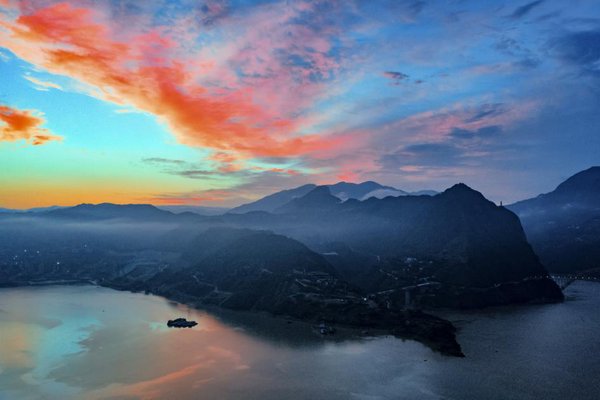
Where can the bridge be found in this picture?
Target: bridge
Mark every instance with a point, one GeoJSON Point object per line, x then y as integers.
{"type": "Point", "coordinates": [563, 281]}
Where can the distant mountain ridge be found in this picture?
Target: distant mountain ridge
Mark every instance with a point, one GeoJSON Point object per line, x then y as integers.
{"type": "Point", "coordinates": [273, 201]}
{"type": "Point", "coordinates": [200, 210]}
{"type": "Point", "coordinates": [109, 211]}
{"type": "Point", "coordinates": [30, 210]}
{"type": "Point", "coordinates": [562, 225]}
{"type": "Point", "coordinates": [362, 191]}
{"type": "Point", "coordinates": [342, 190]}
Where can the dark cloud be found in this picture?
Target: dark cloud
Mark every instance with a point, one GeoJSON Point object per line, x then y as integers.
{"type": "Point", "coordinates": [181, 168]}
{"type": "Point", "coordinates": [526, 58]}
{"type": "Point", "coordinates": [525, 9]}
{"type": "Point", "coordinates": [396, 77]}
{"type": "Point", "coordinates": [212, 12]}
{"type": "Point", "coordinates": [488, 110]}
{"type": "Point", "coordinates": [194, 173]}
{"type": "Point", "coordinates": [192, 170]}
{"type": "Point", "coordinates": [415, 7]}
{"type": "Point", "coordinates": [405, 11]}
{"type": "Point", "coordinates": [423, 154]}
{"type": "Point", "coordinates": [490, 130]}
{"type": "Point", "coordinates": [548, 16]}
{"type": "Point", "coordinates": [430, 148]}
{"type": "Point", "coordinates": [528, 62]}
{"type": "Point", "coordinates": [159, 160]}
{"type": "Point", "coordinates": [508, 44]}
{"type": "Point", "coordinates": [484, 132]}
{"type": "Point", "coordinates": [461, 148]}
{"type": "Point", "coordinates": [581, 49]}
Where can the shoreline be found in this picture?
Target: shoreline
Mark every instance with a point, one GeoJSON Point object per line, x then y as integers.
{"type": "Point", "coordinates": [432, 331]}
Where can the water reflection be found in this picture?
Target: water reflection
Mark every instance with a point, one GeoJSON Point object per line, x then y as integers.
{"type": "Point", "coordinates": [95, 343]}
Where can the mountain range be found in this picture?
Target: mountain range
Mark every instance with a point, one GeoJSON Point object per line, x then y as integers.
{"type": "Point", "coordinates": [347, 253]}
{"type": "Point", "coordinates": [457, 238]}
{"type": "Point", "coordinates": [360, 221]}
{"type": "Point", "coordinates": [473, 252]}
{"type": "Point", "coordinates": [341, 190]}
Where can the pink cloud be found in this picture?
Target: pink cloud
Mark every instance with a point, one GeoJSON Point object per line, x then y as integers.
{"type": "Point", "coordinates": [201, 100]}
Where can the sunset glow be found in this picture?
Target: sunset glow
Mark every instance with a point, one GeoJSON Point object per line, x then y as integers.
{"type": "Point", "coordinates": [221, 102]}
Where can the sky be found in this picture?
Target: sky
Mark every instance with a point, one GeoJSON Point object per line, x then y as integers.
{"type": "Point", "coordinates": [218, 103]}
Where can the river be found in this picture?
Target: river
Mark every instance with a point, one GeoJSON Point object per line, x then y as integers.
{"type": "Point", "coordinates": [88, 342]}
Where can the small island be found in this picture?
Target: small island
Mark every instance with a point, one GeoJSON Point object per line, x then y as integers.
{"type": "Point", "coordinates": [181, 323]}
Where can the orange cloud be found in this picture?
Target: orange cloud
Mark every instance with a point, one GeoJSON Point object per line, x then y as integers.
{"type": "Point", "coordinates": [287, 171]}
{"type": "Point", "coordinates": [23, 125]}
{"type": "Point", "coordinates": [143, 70]}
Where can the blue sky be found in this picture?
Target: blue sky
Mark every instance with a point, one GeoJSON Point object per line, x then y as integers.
{"type": "Point", "coordinates": [221, 102]}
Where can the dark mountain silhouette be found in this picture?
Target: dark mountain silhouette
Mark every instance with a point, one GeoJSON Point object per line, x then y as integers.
{"type": "Point", "coordinates": [106, 211]}
{"type": "Point", "coordinates": [562, 225]}
{"type": "Point", "coordinates": [241, 269]}
{"type": "Point", "coordinates": [246, 269]}
{"type": "Point", "coordinates": [475, 251]}
{"type": "Point", "coordinates": [456, 238]}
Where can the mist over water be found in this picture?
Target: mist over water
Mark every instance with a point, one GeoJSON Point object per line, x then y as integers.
{"type": "Point", "coordinates": [96, 343]}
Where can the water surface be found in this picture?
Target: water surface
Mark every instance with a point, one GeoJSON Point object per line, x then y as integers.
{"type": "Point", "coordinates": [95, 343]}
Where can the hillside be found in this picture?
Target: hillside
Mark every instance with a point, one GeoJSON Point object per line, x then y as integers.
{"type": "Point", "coordinates": [562, 225]}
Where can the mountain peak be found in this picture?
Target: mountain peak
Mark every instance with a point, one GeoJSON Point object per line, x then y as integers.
{"type": "Point", "coordinates": [320, 194]}
{"type": "Point", "coordinates": [319, 198]}
{"type": "Point", "coordinates": [462, 191]}
{"type": "Point", "coordinates": [460, 188]}
{"type": "Point", "coordinates": [273, 201]}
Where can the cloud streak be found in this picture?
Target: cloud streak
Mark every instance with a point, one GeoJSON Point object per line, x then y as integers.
{"type": "Point", "coordinates": [525, 9]}
{"type": "Point", "coordinates": [39, 84]}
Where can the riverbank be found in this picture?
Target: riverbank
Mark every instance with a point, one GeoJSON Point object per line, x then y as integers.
{"type": "Point", "coordinates": [434, 332]}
